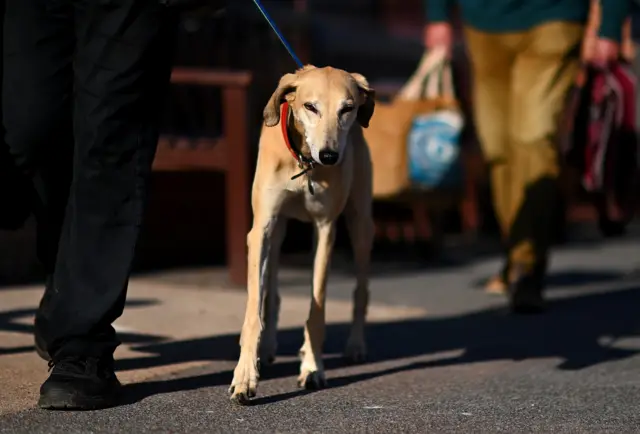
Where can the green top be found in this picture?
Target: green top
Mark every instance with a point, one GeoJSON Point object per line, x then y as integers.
{"type": "Point", "coordinates": [517, 15]}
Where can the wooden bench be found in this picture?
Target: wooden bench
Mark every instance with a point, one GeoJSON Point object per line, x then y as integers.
{"type": "Point", "coordinates": [229, 153]}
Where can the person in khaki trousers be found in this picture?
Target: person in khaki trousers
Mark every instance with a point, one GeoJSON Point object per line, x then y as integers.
{"type": "Point", "coordinates": [525, 55]}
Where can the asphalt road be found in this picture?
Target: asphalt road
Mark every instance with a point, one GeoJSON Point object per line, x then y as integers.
{"type": "Point", "coordinates": [466, 367]}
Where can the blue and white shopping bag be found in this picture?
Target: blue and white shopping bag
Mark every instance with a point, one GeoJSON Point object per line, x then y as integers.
{"type": "Point", "coordinates": [434, 150]}
{"type": "Point", "coordinates": [433, 142]}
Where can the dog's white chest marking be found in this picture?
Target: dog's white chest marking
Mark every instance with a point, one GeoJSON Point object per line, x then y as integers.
{"type": "Point", "coordinates": [316, 203]}
{"type": "Point", "coordinates": [297, 185]}
{"type": "Point", "coordinates": [300, 204]}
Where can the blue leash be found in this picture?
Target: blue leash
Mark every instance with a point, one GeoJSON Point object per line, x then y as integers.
{"type": "Point", "coordinates": [284, 42]}
{"type": "Point", "coordinates": [300, 65]}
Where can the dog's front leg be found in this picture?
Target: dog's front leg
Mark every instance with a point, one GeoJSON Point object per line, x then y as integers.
{"type": "Point", "coordinates": [269, 339]}
{"type": "Point", "coordinates": [361, 231]}
{"type": "Point", "coordinates": [246, 375]}
{"type": "Point", "coordinates": [312, 368]}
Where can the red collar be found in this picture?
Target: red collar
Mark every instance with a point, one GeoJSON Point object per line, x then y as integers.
{"type": "Point", "coordinates": [284, 115]}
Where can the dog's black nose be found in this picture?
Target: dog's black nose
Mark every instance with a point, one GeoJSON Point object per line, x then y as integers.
{"type": "Point", "coordinates": [329, 158]}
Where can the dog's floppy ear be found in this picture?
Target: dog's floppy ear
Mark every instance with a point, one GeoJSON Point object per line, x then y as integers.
{"type": "Point", "coordinates": [368, 99]}
{"type": "Point", "coordinates": [271, 113]}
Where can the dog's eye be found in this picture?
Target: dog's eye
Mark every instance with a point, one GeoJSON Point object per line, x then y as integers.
{"type": "Point", "coordinates": [346, 110]}
{"type": "Point", "coordinates": [310, 107]}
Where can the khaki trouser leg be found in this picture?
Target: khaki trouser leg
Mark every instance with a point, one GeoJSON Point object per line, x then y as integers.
{"type": "Point", "coordinates": [534, 70]}
{"type": "Point", "coordinates": [542, 74]}
{"type": "Point", "coordinates": [492, 59]}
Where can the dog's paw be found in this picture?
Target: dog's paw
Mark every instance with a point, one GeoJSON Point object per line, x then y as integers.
{"type": "Point", "coordinates": [245, 383]}
{"type": "Point", "coordinates": [356, 350]}
{"type": "Point", "coordinates": [312, 380]}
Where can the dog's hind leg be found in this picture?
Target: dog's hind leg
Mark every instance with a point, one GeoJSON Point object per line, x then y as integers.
{"type": "Point", "coordinates": [359, 221]}
{"type": "Point", "coordinates": [269, 339]}
{"type": "Point", "coordinates": [246, 375]}
{"type": "Point", "coordinates": [311, 367]}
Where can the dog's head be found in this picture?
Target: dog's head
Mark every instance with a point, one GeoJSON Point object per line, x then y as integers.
{"type": "Point", "coordinates": [325, 102]}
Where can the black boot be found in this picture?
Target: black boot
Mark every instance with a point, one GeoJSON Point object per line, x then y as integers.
{"type": "Point", "coordinates": [525, 292]}
{"type": "Point", "coordinates": [611, 228]}
{"type": "Point", "coordinates": [80, 383]}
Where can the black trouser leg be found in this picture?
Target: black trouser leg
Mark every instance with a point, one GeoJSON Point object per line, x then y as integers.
{"type": "Point", "coordinates": [16, 190]}
{"type": "Point", "coordinates": [120, 69]}
{"type": "Point", "coordinates": [36, 99]}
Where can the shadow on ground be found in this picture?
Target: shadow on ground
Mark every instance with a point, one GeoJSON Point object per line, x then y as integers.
{"type": "Point", "coordinates": [574, 331]}
{"type": "Point", "coordinates": [12, 321]}
{"type": "Point", "coordinates": [580, 331]}
{"type": "Point", "coordinates": [571, 278]}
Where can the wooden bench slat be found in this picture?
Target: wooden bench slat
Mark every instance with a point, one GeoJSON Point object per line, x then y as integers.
{"type": "Point", "coordinates": [208, 77]}
{"type": "Point", "coordinates": [229, 155]}
{"type": "Point", "coordinates": [191, 154]}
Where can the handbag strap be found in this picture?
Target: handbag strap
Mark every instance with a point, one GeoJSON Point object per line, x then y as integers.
{"type": "Point", "coordinates": [438, 83]}
{"type": "Point", "coordinates": [430, 61]}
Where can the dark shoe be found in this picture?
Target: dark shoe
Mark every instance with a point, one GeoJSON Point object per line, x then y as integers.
{"type": "Point", "coordinates": [612, 228]}
{"type": "Point", "coordinates": [525, 294]}
{"type": "Point", "coordinates": [80, 384]}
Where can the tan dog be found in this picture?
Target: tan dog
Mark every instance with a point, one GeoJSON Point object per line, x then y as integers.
{"type": "Point", "coordinates": [319, 113]}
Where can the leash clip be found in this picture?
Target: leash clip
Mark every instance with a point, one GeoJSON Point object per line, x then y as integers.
{"type": "Point", "coordinates": [305, 170]}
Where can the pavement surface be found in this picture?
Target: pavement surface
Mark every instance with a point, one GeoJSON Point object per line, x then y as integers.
{"type": "Point", "coordinates": [444, 356]}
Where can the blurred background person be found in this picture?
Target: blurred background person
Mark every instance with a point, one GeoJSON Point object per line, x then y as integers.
{"type": "Point", "coordinates": [613, 206]}
{"type": "Point", "coordinates": [635, 36]}
{"type": "Point", "coordinates": [524, 56]}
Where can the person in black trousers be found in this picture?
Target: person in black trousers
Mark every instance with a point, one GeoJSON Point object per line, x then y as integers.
{"type": "Point", "coordinates": [83, 81]}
